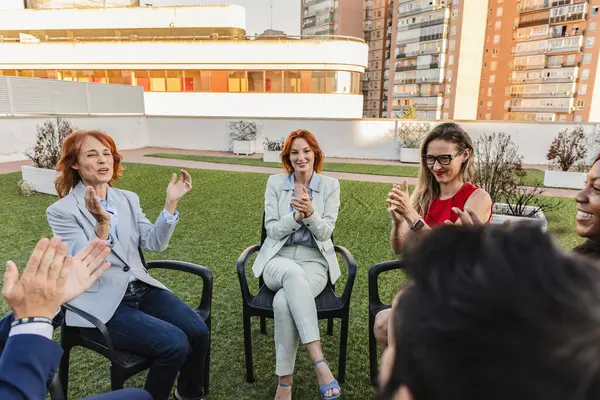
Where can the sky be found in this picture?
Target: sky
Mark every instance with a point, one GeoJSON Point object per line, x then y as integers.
{"type": "Point", "coordinates": [286, 13]}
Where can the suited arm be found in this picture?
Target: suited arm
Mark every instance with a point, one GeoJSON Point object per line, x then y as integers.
{"type": "Point", "coordinates": [322, 227]}
{"type": "Point", "coordinates": [277, 227]}
{"type": "Point", "coordinates": [154, 237]}
{"type": "Point", "coordinates": [27, 364]}
{"type": "Point", "coordinates": [69, 230]}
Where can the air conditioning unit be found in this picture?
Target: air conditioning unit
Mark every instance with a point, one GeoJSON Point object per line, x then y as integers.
{"type": "Point", "coordinates": [553, 93]}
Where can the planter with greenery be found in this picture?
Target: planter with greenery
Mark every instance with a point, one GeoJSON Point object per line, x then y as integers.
{"type": "Point", "coordinates": [242, 135]}
{"type": "Point", "coordinates": [45, 156]}
{"type": "Point", "coordinates": [410, 139]}
{"type": "Point", "coordinates": [567, 155]}
{"type": "Point", "coordinates": [499, 171]}
{"type": "Point", "coordinates": [272, 150]}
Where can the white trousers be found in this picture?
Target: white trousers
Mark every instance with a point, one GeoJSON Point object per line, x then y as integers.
{"type": "Point", "coordinates": [297, 274]}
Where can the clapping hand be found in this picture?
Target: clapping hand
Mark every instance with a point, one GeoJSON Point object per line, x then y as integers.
{"type": "Point", "coordinates": [176, 190]}
{"type": "Point", "coordinates": [92, 203]}
{"type": "Point", "coordinates": [399, 202]}
{"type": "Point", "coordinates": [87, 266]}
{"type": "Point", "coordinates": [302, 205]}
{"type": "Point", "coordinates": [467, 217]}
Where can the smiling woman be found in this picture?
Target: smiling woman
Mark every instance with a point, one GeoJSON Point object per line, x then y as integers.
{"type": "Point", "coordinates": [588, 213]}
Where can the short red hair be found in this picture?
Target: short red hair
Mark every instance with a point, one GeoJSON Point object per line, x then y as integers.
{"type": "Point", "coordinates": [312, 143]}
{"type": "Point", "coordinates": [68, 177]}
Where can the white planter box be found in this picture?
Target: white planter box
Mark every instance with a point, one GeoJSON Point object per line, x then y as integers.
{"type": "Point", "coordinates": [409, 155]}
{"type": "Point", "coordinates": [245, 147]}
{"type": "Point", "coordinates": [41, 179]}
{"type": "Point", "coordinates": [271, 156]}
{"type": "Point", "coordinates": [562, 179]}
{"type": "Point", "coordinates": [500, 209]}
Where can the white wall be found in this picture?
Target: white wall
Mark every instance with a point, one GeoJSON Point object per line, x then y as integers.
{"type": "Point", "coordinates": [208, 54]}
{"type": "Point", "coordinates": [352, 138]}
{"type": "Point", "coordinates": [12, 5]}
{"type": "Point", "coordinates": [17, 134]}
{"type": "Point", "coordinates": [254, 105]}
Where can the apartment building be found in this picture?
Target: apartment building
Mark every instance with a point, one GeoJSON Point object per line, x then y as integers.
{"type": "Point", "coordinates": [435, 56]}
{"type": "Point", "coordinates": [332, 17]}
{"type": "Point", "coordinates": [377, 36]}
{"type": "Point", "coordinates": [546, 57]}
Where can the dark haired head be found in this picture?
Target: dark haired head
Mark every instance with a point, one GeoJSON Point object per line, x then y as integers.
{"type": "Point", "coordinates": [588, 212]}
{"type": "Point", "coordinates": [502, 315]}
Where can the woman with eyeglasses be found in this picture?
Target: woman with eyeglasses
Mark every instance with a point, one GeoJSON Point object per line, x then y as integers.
{"type": "Point", "coordinates": [443, 195]}
{"type": "Point", "coordinates": [443, 188]}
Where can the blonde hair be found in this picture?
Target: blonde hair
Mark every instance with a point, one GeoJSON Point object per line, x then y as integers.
{"type": "Point", "coordinates": [428, 188]}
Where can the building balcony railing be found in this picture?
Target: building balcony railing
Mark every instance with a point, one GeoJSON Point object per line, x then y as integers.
{"type": "Point", "coordinates": [566, 79]}
{"type": "Point", "coordinates": [549, 35]}
{"type": "Point", "coordinates": [529, 67]}
{"type": "Point", "coordinates": [559, 3]}
{"type": "Point", "coordinates": [369, 5]}
{"type": "Point", "coordinates": [404, 94]}
{"type": "Point", "coordinates": [429, 38]}
{"type": "Point", "coordinates": [419, 10]}
{"type": "Point", "coordinates": [563, 94]}
{"type": "Point", "coordinates": [406, 81]}
{"type": "Point", "coordinates": [567, 18]}
{"type": "Point", "coordinates": [532, 7]}
{"type": "Point", "coordinates": [534, 22]}
{"type": "Point", "coordinates": [561, 109]}
{"type": "Point", "coordinates": [406, 68]}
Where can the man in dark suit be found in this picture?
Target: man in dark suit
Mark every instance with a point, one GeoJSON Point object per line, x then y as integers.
{"type": "Point", "coordinates": [30, 356]}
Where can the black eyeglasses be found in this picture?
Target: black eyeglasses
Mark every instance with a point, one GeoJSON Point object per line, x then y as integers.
{"type": "Point", "coordinates": [444, 159]}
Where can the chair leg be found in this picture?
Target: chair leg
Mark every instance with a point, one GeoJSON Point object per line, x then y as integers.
{"type": "Point", "coordinates": [372, 350]}
{"type": "Point", "coordinates": [343, 348]}
{"type": "Point", "coordinates": [263, 325]}
{"type": "Point", "coordinates": [207, 370]}
{"type": "Point", "coordinates": [330, 326]}
{"type": "Point", "coordinates": [63, 371]}
{"type": "Point", "coordinates": [248, 349]}
{"type": "Point", "coordinates": [117, 380]}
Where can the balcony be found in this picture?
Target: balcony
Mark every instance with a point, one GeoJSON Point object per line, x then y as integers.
{"type": "Point", "coordinates": [533, 7]}
{"type": "Point", "coordinates": [428, 103]}
{"type": "Point", "coordinates": [557, 108]}
{"type": "Point", "coordinates": [421, 9]}
{"type": "Point", "coordinates": [403, 95]}
{"type": "Point", "coordinates": [567, 44]}
{"type": "Point", "coordinates": [559, 79]}
{"type": "Point", "coordinates": [535, 95]}
{"type": "Point", "coordinates": [529, 67]}
{"type": "Point", "coordinates": [369, 5]}
{"type": "Point", "coordinates": [429, 38]}
{"type": "Point", "coordinates": [534, 22]}
{"type": "Point", "coordinates": [406, 81]}
{"type": "Point", "coordinates": [367, 26]}
{"type": "Point", "coordinates": [568, 18]}
{"type": "Point", "coordinates": [559, 3]}
{"type": "Point", "coordinates": [406, 68]}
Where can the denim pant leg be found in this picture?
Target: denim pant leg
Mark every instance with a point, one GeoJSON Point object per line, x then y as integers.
{"type": "Point", "coordinates": [168, 307]}
{"type": "Point", "coordinates": [133, 330]}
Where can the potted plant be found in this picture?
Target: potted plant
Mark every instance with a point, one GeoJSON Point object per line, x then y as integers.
{"type": "Point", "coordinates": [410, 139]}
{"type": "Point", "coordinates": [242, 135]}
{"type": "Point", "coordinates": [499, 172]}
{"type": "Point", "coordinates": [45, 155]}
{"type": "Point", "coordinates": [272, 150]}
{"type": "Point", "coordinates": [567, 155]}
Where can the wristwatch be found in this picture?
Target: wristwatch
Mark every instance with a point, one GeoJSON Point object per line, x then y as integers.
{"type": "Point", "coordinates": [418, 225]}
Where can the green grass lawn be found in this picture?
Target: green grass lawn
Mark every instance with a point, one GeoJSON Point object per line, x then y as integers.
{"type": "Point", "coordinates": [533, 175]}
{"type": "Point", "coordinates": [219, 218]}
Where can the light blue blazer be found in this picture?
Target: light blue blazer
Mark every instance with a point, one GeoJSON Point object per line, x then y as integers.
{"type": "Point", "coordinates": [70, 219]}
{"type": "Point", "coordinates": [280, 222]}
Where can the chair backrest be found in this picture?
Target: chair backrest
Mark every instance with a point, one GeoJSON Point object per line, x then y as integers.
{"type": "Point", "coordinates": [263, 232]}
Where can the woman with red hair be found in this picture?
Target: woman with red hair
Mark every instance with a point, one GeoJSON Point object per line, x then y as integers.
{"type": "Point", "coordinates": [298, 258]}
{"type": "Point", "coordinates": [140, 313]}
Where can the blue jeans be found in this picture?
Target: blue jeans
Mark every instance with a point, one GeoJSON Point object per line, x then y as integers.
{"type": "Point", "coordinates": [157, 324]}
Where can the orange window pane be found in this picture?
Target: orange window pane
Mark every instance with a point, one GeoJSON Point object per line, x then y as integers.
{"type": "Point", "coordinates": [218, 81]}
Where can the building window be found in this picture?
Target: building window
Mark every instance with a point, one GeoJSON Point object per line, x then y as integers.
{"type": "Point", "coordinates": [494, 65]}
{"type": "Point", "coordinates": [494, 51]}
{"type": "Point", "coordinates": [578, 118]}
{"type": "Point", "coordinates": [447, 103]}
{"type": "Point", "coordinates": [446, 115]}
{"type": "Point", "coordinates": [452, 44]}
{"type": "Point", "coordinates": [496, 39]}
{"type": "Point", "coordinates": [587, 58]}
{"type": "Point", "coordinates": [489, 104]}
{"type": "Point", "coordinates": [580, 104]}
{"type": "Point", "coordinates": [455, 2]}
{"type": "Point", "coordinates": [453, 30]}
{"type": "Point", "coordinates": [589, 43]}
{"type": "Point", "coordinates": [492, 78]}
{"type": "Point", "coordinates": [592, 26]}
{"type": "Point", "coordinates": [499, 11]}
{"type": "Point", "coordinates": [595, 10]}
{"type": "Point", "coordinates": [454, 13]}
{"type": "Point", "coordinates": [583, 89]}
{"type": "Point", "coordinates": [498, 25]}
{"type": "Point", "coordinates": [506, 104]}
{"type": "Point", "coordinates": [451, 60]}
{"type": "Point", "coordinates": [585, 74]}
{"type": "Point", "coordinates": [488, 116]}
{"type": "Point", "coordinates": [490, 92]}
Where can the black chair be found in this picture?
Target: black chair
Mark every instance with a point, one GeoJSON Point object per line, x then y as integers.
{"type": "Point", "coordinates": [124, 365]}
{"type": "Point", "coordinates": [375, 306]}
{"type": "Point", "coordinates": [329, 306]}
{"type": "Point", "coordinates": [55, 389]}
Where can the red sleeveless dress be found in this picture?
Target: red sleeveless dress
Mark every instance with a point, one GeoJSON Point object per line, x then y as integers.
{"type": "Point", "coordinates": [440, 211]}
